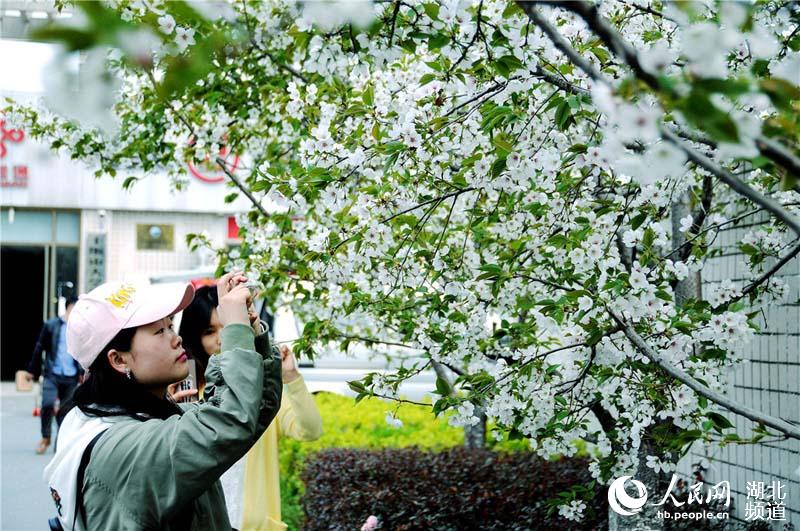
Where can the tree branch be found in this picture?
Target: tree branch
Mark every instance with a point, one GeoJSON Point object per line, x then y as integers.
{"type": "Point", "coordinates": [394, 21]}
{"type": "Point", "coordinates": [372, 340]}
{"type": "Point", "coordinates": [560, 42]}
{"type": "Point", "coordinates": [739, 186]}
{"type": "Point", "coordinates": [774, 150]}
{"type": "Point", "coordinates": [603, 29]}
{"type": "Point", "coordinates": [429, 201]}
{"type": "Point", "coordinates": [474, 38]}
{"type": "Point", "coordinates": [700, 214]}
{"type": "Point", "coordinates": [771, 149]}
{"type": "Point", "coordinates": [559, 82]}
{"type": "Point", "coordinates": [240, 186]}
{"type": "Point", "coordinates": [767, 275]}
{"type": "Point", "coordinates": [781, 425]}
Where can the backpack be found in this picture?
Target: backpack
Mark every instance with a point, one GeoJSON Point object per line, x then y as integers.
{"type": "Point", "coordinates": [55, 523]}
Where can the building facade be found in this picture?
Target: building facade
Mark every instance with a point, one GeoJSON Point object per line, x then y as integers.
{"type": "Point", "coordinates": [63, 231]}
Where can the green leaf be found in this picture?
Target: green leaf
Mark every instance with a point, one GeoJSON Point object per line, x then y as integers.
{"type": "Point", "coordinates": [496, 117]}
{"type": "Point", "coordinates": [782, 93]}
{"type": "Point", "coordinates": [498, 167]}
{"type": "Point", "coordinates": [749, 249]}
{"type": "Point", "coordinates": [368, 97]}
{"type": "Point", "coordinates": [729, 87]}
{"type": "Point", "coordinates": [432, 10]}
{"type": "Point", "coordinates": [393, 147]}
{"type": "Point", "coordinates": [437, 41]}
{"type": "Point", "coordinates": [720, 422]}
{"type": "Point", "coordinates": [699, 109]}
{"type": "Point", "coordinates": [492, 268]}
{"type": "Point", "coordinates": [511, 62]}
{"type": "Point", "coordinates": [427, 78]}
{"type": "Point", "coordinates": [72, 39]}
{"type": "Point", "coordinates": [637, 221]}
{"type": "Point", "coordinates": [442, 387]}
{"type": "Point", "coordinates": [357, 386]}
{"type": "Point", "coordinates": [563, 115]}
{"type": "Point", "coordinates": [436, 65]}
{"type": "Point", "coordinates": [559, 241]}
{"type": "Point", "coordinates": [652, 36]}
{"type": "Point", "coordinates": [501, 68]}
{"type": "Point", "coordinates": [601, 54]}
{"type": "Point", "coordinates": [503, 145]}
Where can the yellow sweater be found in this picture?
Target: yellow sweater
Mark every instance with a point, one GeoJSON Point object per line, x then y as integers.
{"type": "Point", "coordinates": [299, 419]}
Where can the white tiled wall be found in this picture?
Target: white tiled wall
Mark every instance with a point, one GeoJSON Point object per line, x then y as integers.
{"type": "Point", "coordinates": [769, 382]}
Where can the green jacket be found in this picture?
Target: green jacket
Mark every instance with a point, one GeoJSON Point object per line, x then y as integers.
{"type": "Point", "coordinates": [146, 475]}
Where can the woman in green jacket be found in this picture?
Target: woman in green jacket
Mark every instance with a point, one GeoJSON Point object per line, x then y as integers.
{"type": "Point", "coordinates": [156, 464]}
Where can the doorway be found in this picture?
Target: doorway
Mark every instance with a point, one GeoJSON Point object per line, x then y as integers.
{"type": "Point", "coordinates": [22, 306]}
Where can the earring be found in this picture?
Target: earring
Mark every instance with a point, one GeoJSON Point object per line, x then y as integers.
{"type": "Point", "coordinates": [128, 373]}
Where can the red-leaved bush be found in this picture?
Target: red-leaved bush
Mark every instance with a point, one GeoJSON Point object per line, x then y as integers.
{"type": "Point", "coordinates": [457, 489]}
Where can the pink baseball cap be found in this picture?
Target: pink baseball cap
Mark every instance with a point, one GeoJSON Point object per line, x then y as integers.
{"type": "Point", "coordinates": [102, 313]}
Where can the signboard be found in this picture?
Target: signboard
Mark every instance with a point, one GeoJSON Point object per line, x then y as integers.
{"type": "Point", "coordinates": [150, 237]}
{"type": "Point", "coordinates": [95, 260]}
{"type": "Point", "coordinates": [12, 174]}
{"type": "Point", "coordinates": [209, 171]}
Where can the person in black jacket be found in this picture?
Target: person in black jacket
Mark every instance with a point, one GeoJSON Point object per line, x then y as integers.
{"type": "Point", "coordinates": [61, 372]}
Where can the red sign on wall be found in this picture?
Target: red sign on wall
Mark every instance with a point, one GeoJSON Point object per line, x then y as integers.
{"type": "Point", "coordinates": [209, 171]}
{"type": "Point", "coordinates": [233, 228]}
{"type": "Point", "coordinates": [11, 175]}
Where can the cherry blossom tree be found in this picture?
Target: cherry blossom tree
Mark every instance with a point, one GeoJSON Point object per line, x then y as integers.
{"type": "Point", "coordinates": [523, 194]}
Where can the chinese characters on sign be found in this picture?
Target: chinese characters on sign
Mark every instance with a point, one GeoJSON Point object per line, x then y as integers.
{"type": "Point", "coordinates": [95, 260]}
{"type": "Point", "coordinates": [765, 501]}
{"type": "Point", "coordinates": [16, 175]}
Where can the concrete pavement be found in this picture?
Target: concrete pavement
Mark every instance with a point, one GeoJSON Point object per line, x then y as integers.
{"type": "Point", "coordinates": [26, 503]}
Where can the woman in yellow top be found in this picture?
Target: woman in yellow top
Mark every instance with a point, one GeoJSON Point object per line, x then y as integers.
{"type": "Point", "coordinates": [252, 487]}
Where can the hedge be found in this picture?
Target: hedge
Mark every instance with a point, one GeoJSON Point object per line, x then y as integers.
{"type": "Point", "coordinates": [410, 489]}
{"type": "Point", "coordinates": [363, 425]}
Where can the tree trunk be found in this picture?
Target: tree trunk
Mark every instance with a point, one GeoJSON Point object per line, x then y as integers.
{"type": "Point", "coordinates": [657, 483]}
{"type": "Point", "coordinates": [647, 518]}
{"type": "Point", "coordinates": [474, 436]}
{"type": "Point", "coordinates": [689, 288]}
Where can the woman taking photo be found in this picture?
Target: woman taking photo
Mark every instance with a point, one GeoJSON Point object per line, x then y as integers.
{"type": "Point", "coordinates": [252, 486]}
{"type": "Point", "coordinates": [151, 463]}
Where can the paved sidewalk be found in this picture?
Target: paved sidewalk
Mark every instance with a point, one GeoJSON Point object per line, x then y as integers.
{"type": "Point", "coordinates": [26, 504]}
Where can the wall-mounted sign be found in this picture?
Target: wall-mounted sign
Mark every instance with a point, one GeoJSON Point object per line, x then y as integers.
{"type": "Point", "coordinates": [11, 175]}
{"type": "Point", "coordinates": [233, 228]}
{"type": "Point", "coordinates": [209, 171]}
{"type": "Point", "coordinates": [151, 237]}
{"type": "Point", "coordinates": [95, 260]}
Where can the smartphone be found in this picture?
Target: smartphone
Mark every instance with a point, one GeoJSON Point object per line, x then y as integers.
{"type": "Point", "coordinates": [253, 285]}
{"type": "Point", "coordinates": [190, 382]}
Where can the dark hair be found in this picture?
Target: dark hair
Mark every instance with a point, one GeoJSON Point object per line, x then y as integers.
{"type": "Point", "coordinates": [107, 392]}
{"type": "Point", "coordinates": [195, 321]}
{"type": "Point", "coordinates": [71, 301]}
